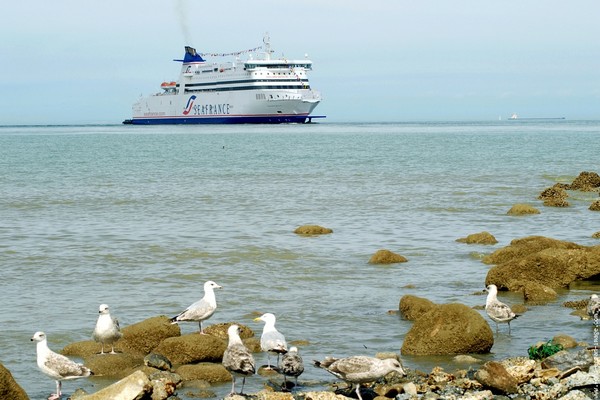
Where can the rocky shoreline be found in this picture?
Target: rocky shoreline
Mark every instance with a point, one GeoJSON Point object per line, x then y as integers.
{"type": "Point", "coordinates": [156, 362]}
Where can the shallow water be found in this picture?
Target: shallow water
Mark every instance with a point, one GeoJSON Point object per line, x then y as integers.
{"type": "Point", "coordinates": [140, 217]}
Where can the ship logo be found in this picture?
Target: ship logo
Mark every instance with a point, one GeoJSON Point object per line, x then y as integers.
{"type": "Point", "coordinates": [188, 106]}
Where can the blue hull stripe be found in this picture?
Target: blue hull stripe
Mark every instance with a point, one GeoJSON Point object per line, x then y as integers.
{"type": "Point", "coordinates": [261, 119]}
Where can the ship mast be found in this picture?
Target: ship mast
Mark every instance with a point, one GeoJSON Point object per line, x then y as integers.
{"type": "Point", "coordinates": [267, 43]}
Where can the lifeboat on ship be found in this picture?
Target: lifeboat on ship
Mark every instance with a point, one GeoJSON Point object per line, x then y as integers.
{"type": "Point", "coordinates": [168, 85]}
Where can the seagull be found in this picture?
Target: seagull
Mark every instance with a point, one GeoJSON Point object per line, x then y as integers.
{"type": "Point", "coordinates": [497, 310]}
{"type": "Point", "coordinates": [271, 340]}
{"type": "Point", "coordinates": [237, 359]}
{"type": "Point", "coordinates": [291, 365]}
{"type": "Point", "coordinates": [107, 329]}
{"type": "Point", "coordinates": [57, 366]}
{"type": "Point", "coordinates": [360, 369]}
{"type": "Point", "coordinates": [201, 310]}
{"type": "Point", "coordinates": [593, 306]}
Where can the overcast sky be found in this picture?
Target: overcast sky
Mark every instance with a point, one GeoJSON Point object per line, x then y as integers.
{"type": "Point", "coordinates": [70, 62]}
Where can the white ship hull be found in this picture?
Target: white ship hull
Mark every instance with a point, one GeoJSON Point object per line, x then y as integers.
{"type": "Point", "coordinates": [260, 90]}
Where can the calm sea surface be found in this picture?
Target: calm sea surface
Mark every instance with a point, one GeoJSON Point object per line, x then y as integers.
{"type": "Point", "coordinates": [140, 217]}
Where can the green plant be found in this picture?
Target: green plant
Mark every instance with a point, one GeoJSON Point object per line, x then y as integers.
{"type": "Point", "coordinates": [545, 350]}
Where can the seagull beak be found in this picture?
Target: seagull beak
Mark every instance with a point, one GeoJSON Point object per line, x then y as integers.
{"type": "Point", "coordinates": [257, 319]}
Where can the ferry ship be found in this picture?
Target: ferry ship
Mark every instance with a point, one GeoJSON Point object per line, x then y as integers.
{"type": "Point", "coordinates": [260, 89]}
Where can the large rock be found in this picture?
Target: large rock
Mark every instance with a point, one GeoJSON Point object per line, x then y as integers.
{"type": "Point", "coordinates": [550, 262]}
{"type": "Point", "coordinates": [138, 339]}
{"type": "Point", "coordinates": [586, 182]}
{"type": "Point", "coordinates": [209, 372]}
{"type": "Point", "coordinates": [144, 336]}
{"type": "Point", "coordinates": [386, 257]}
{"type": "Point", "coordinates": [412, 307]}
{"type": "Point", "coordinates": [132, 387]}
{"type": "Point", "coordinates": [449, 329]}
{"type": "Point", "coordinates": [192, 348]}
{"type": "Point", "coordinates": [113, 365]}
{"type": "Point", "coordinates": [537, 293]}
{"type": "Point", "coordinates": [9, 388]}
{"type": "Point", "coordinates": [493, 375]}
{"type": "Point", "coordinates": [564, 360]}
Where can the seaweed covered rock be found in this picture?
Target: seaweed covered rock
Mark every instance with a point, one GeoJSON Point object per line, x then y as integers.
{"type": "Point", "coordinates": [9, 388]}
{"type": "Point", "coordinates": [595, 206]}
{"type": "Point", "coordinates": [386, 257]}
{"type": "Point", "coordinates": [554, 196]}
{"type": "Point", "coordinates": [550, 262]}
{"type": "Point", "coordinates": [479, 238]}
{"type": "Point", "coordinates": [143, 336]}
{"type": "Point", "coordinates": [412, 307]}
{"type": "Point", "coordinates": [192, 348]}
{"type": "Point", "coordinates": [522, 209]}
{"type": "Point", "coordinates": [586, 182]}
{"type": "Point", "coordinates": [312, 230]}
{"type": "Point", "coordinates": [449, 329]}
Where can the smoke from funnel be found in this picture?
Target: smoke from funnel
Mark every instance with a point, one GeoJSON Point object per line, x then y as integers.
{"type": "Point", "coordinates": [180, 11]}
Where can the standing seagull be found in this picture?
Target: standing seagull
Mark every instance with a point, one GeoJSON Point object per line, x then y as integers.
{"type": "Point", "coordinates": [497, 310]}
{"type": "Point", "coordinates": [57, 366]}
{"type": "Point", "coordinates": [107, 329]}
{"type": "Point", "coordinates": [360, 369]}
{"type": "Point", "coordinates": [593, 306]}
{"type": "Point", "coordinates": [237, 359]}
{"type": "Point", "coordinates": [271, 340]}
{"type": "Point", "coordinates": [291, 365]}
{"type": "Point", "coordinates": [201, 310]}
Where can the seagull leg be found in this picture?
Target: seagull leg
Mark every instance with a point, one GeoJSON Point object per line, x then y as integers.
{"type": "Point", "coordinates": [232, 385]}
{"type": "Point", "coordinates": [243, 383]}
{"type": "Point", "coordinates": [358, 391]}
{"type": "Point", "coordinates": [113, 349]}
{"type": "Point", "coordinates": [56, 396]}
{"type": "Point", "coordinates": [200, 325]}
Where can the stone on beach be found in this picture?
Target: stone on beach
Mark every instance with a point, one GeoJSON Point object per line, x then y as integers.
{"type": "Point", "coordinates": [312, 230]}
{"type": "Point", "coordinates": [522, 209]}
{"type": "Point", "coordinates": [479, 238]}
{"type": "Point", "coordinates": [386, 257]}
{"type": "Point", "coordinates": [493, 375]}
{"type": "Point", "coordinates": [132, 387]}
{"type": "Point", "coordinates": [449, 329]}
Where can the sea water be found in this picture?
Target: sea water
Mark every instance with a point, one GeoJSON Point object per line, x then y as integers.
{"type": "Point", "coordinates": [139, 217]}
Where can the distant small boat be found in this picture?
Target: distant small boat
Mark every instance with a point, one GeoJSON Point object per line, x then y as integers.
{"type": "Point", "coordinates": [514, 116]}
